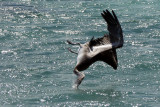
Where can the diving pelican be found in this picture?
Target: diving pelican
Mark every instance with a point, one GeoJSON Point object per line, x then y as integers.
{"type": "Point", "coordinates": [100, 49]}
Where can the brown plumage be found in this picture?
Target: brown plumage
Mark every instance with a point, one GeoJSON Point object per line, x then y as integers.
{"type": "Point", "coordinates": [100, 49]}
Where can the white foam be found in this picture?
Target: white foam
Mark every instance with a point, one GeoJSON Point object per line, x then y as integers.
{"type": "Point", "coordinates": [8, 51]}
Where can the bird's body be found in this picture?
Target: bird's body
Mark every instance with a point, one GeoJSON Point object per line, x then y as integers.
{"type": "Point", "coordinates": [100, 49]}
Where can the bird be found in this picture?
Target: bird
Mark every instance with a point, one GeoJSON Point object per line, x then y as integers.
{"type": "Point", "coordinates": [99, 49]}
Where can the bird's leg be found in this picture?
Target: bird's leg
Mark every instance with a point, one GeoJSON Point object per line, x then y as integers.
{"type": "Point", "coordinates": [69, 42]}
{"type": "Point", "coordinates": [72, 51]}
{"type": "Point", "coordinates": [80, 77]}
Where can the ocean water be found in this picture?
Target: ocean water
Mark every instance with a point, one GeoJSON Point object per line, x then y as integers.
{"type": "Point", "coordinates": [36, 68]}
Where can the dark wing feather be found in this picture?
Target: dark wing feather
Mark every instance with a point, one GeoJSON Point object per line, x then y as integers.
{"type": "Point", "coordinates": [99, 41]}
{"type": "Point", "coordinates": [115, 35]}
{"type": "Point", "coordinates": [109, 57]}
{"type": "Point", "coordinates": [114, 27]}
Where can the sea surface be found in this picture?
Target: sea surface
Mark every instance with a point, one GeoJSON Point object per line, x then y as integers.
{"type": "Point", "coordinates": [36, 68]}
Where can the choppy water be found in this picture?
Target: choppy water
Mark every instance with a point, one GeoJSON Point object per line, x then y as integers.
{"type": "Point", "coordinates": [36, 68]}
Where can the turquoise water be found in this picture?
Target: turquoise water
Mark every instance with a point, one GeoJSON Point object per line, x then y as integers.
{"type": "Point", "coordinates": [36, 68]}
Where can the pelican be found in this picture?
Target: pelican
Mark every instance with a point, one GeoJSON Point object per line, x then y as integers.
{"type": "Point", "coordinates": [100, 49]}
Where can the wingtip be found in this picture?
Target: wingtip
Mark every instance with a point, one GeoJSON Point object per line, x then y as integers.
{"type": "Point", "coordinates": [115, 67]}
{"type": "Point", "coordinates": [113, 12]}
{"type": "Point", "coordinates": [102, 13]}
{"type": "Point", "coordinates": [92, 38]}
{"type": "Point", "coordinates": [107, 10]}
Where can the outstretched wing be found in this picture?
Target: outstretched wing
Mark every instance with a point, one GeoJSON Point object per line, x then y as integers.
{"type": "Point", "coordinates": [105, 47]}
{"type": "Point", "coordinates": [108, 56]}
{"type": "Point", "coordinates": [114, 28]}
{"type": "Point", "coordinates": [113, 40]}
